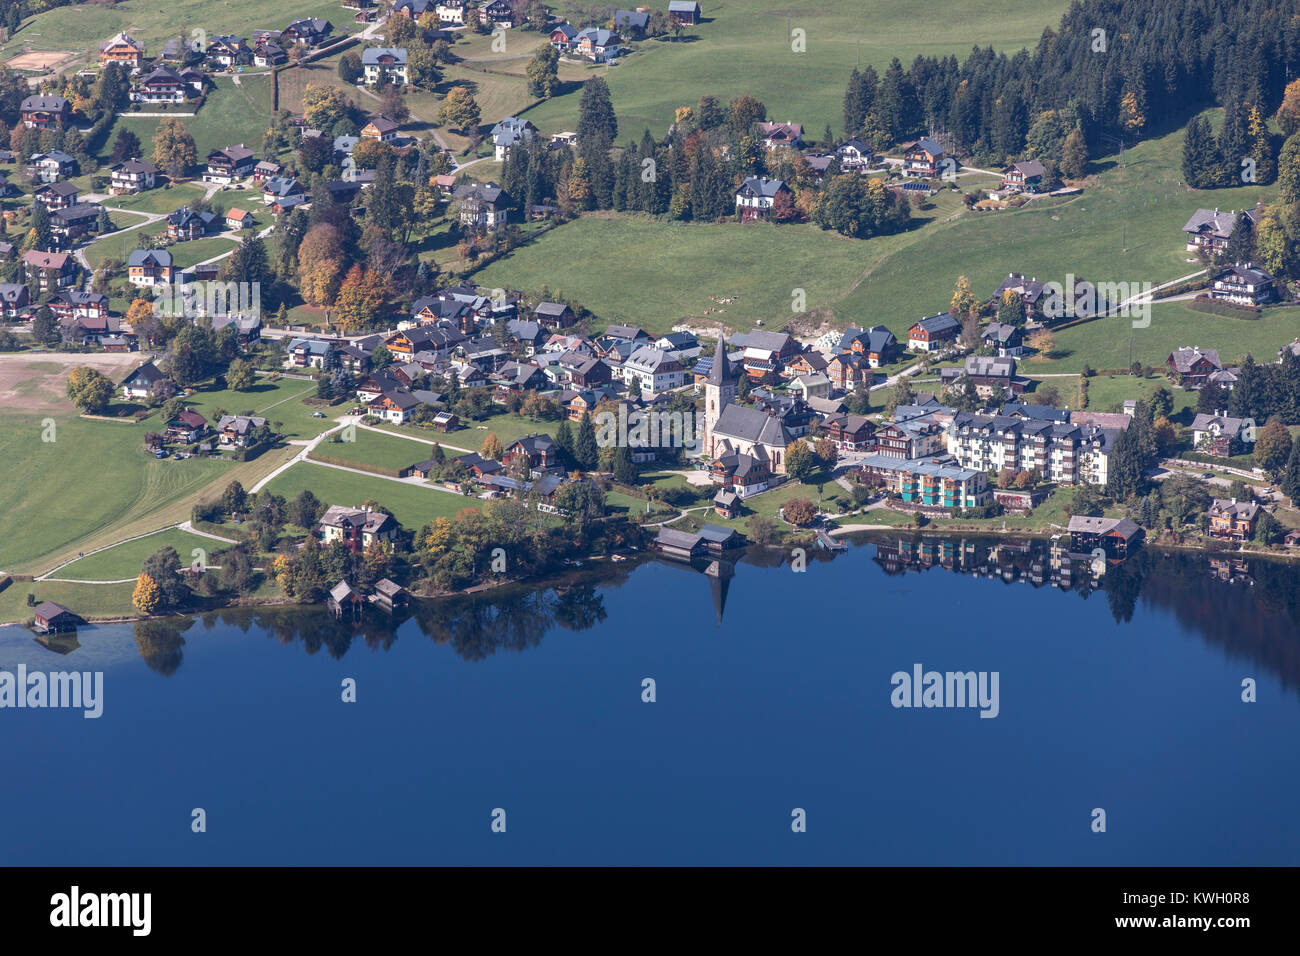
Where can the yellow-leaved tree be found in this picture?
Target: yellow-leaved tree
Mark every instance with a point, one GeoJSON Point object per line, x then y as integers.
{"type": "Point", "coordinates": [146, 595]}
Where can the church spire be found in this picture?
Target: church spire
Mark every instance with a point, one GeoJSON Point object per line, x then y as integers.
{"type": "Point", "coordinates": [720, 374]}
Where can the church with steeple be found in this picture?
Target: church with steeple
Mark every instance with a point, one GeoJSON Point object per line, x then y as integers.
{"type": "Point", "coordinates": [747, 445]}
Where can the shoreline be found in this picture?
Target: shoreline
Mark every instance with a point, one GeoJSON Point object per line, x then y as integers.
{"type": "Point", "coordinates": [638, 558]}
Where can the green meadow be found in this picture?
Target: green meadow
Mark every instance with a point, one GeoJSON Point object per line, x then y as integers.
{"type": "Point", "coordinates": [94, 476]}
{"type": "Point", "coordinates": [124, 560]}
{"type": "Point", "coordinates": [81, 27]}
{"type": "Point", "coordinates": [412, 505]}
{"type": "Point", "coordinates": [373, 448]}
{"type": "Point", "coordinates": [747, 46]}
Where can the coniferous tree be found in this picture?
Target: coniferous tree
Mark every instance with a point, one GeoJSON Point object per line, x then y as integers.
{"type": "Point", "coordinates": [585, 451]}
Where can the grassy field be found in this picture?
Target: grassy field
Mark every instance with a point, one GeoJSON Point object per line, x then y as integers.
{"type": "Point", "coordinates": [372, 448]}
{"type": "Point", "coordinates": [93, 477]}
{"type": "Point", "coordinates": [1108, 393]}
{"type": "Point", "coordinates": [88, 600]}
{"type": "Point", "coordinates": [412, 505]}
{"type": "Point", "coordinates": [1106, 342]}
{"type": "Point", "coordinates": [81, 27]}
{"type": "Point", "coordinates": [1126, 227]}
{"type": "Point", "coordinates": [275, 401]}
{"type": "Point", "coordinates": [655, 274]}
{"type": "Point", "coordinates": [124, 560]}
{"type": "Point", "coordinates": [165, 199]}
{"type": "Point", "coordinates": [744, 46]}
{"type": "Point", "coordinates": [231, 114]}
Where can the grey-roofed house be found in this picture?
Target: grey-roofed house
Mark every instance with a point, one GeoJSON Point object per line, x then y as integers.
{"type": "Point", "coordinates": [555, 315]}
{"type": "Point", "coordinates": [1210, 229]}
{"type": "Point", "coordinates": [1243, 283]}
{"type": "Point", "coordinates": [931, 333]}
{"type": "Point", "coordinates": [757, 196]}
{"type": "Point", "coordinates": [384, 65]}
{"type": "Point", "coordinates": [1193, 366]}
{"type": "Point", "coordinates": [684, 11]}
{"type": "Point", "coordinates": [1220, 434]}
{"type": "Point", "coordinates": [1004, 338]}
{"type": "Point", "coordinates": [1022, 176]}
{"type": "Point", "coordinates": [482, 206]}
{"type": "Point", "coordinates": [510, 132]}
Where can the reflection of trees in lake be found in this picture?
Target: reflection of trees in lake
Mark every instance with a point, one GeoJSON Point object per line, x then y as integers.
{"type": "Point", "coordinates": [478, 627]}
{"type": "Point", "coordinates": [475, 626]}
{"type": "Point", "coordinates": [160, 642]}
{"type": "Point", "coordinates": [1258, 622]}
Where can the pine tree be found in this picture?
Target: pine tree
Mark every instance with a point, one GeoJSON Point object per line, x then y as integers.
{"type": "Point", "coordinates": [1290, 485]}
{"type": "Point", "coordinates": [1200, 154]}
{"type": "Point", "coordinates": [564, 438]}
{"type": "Point", "coordinates": [585, 451]}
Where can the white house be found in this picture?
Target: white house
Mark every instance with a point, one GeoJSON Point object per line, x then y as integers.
{"type": "Point", "coordinates": [654, 369]}
{"type": "Point", "coordinates": [384, 64]}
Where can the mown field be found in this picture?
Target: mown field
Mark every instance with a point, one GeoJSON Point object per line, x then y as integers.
{"type": "Point", "coordinates": [279, 401]}
{"type": "Point", "coordinates": [1125, 227]}
{"type": "Point", "coordinates": [230, 114]}
{"type": "Point", "coordinates": [88, 600]}
{"type": "Point", "coordinates": [124, 560]}
{"type": "Point", "coordinates": [412, 505]}
{"type": "Point", "coordinates": [91, 478]}
{"type": "Point", "coordinates": [744, 46]}
{"type": "Point", "coordinates": [81, 27]}
{"type": "Point", "coordinates": [655, 274]}
{"type": "Point", "coordinates": [372, 448]}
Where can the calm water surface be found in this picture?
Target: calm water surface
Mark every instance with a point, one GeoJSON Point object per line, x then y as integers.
{"type": "Point", "coordinates": [1126, 697]}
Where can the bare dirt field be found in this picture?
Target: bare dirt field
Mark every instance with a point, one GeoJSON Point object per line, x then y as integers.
{"type": "Point", "coordinates": [38, 382]}
{"type": "Point", "coordinates": [33, 60]}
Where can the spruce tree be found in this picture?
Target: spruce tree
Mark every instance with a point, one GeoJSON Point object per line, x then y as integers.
{"type": "Point", "coordinates": [1290, 485]}
{"type": "Point", "coordinates": [585, 452]}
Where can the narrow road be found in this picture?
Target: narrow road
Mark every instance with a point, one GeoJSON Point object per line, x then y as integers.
{"type": "Point", "coordinates": [302, 455]}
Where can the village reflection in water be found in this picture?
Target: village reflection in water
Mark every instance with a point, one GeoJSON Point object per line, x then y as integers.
{"type": "Point", "coordinates": [1251, 607]}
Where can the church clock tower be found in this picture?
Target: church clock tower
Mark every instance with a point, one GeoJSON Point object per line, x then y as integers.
{"type": "Point", "coordinates": [719, 391]}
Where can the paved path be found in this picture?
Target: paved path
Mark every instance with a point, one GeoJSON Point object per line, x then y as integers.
{"type": "Point", "coordinates": [188, 526]}
{"type": "Point", "coordinates": [412, 481]}
{"type": "Point", "coordinates": [302, 455]}
{"type": "Point", "coordinates": [422, 441]}
{"type": "Point", "coordinates": [183, 526]}
{"type": "Point", "coordinates": [148, 219]}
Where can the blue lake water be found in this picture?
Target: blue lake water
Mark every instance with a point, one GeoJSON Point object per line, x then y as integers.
{"type": "Point", "coordinates": [1126, 699]}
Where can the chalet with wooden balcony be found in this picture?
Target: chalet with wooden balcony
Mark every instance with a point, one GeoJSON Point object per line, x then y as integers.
{"type": "Point", "coordinates": [933, 333]}
{"type": "Point", "coordinates": [1244, 283]}
{"type": "Point", "coordinates": [58, 195]}
{"type": "Point", "coordinates": [46, 112]}
{"type": "Point", "coordinates": [229, 165]}
{"type": "Point", "coordinates": [124, 50]}
{"type": "Point", "coordinates": [1233, 519]}
{"type": "Point", "coordinates": [133, 176]}
{"type": "Point", "coordinates": [1192, 367]}
{"type": "Point", "coordinates": [50, 271]}
{"type": "Point", "coordinates": [1026, 176]}
{"type": "Point", "coordinates": [922, 158]}
{"type": "Point", "coordinates": [1210, 229]}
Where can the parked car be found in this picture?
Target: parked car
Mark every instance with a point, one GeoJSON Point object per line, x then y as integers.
{"type": "Point", "coordinates": [317, 414]}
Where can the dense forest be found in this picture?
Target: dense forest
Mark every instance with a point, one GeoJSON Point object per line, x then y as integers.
{"type": "Point", "coordinates": [1113, 69]}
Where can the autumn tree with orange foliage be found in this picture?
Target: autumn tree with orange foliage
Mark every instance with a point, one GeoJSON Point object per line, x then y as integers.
{"type": "Point", "coordinates": [321, 263]}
